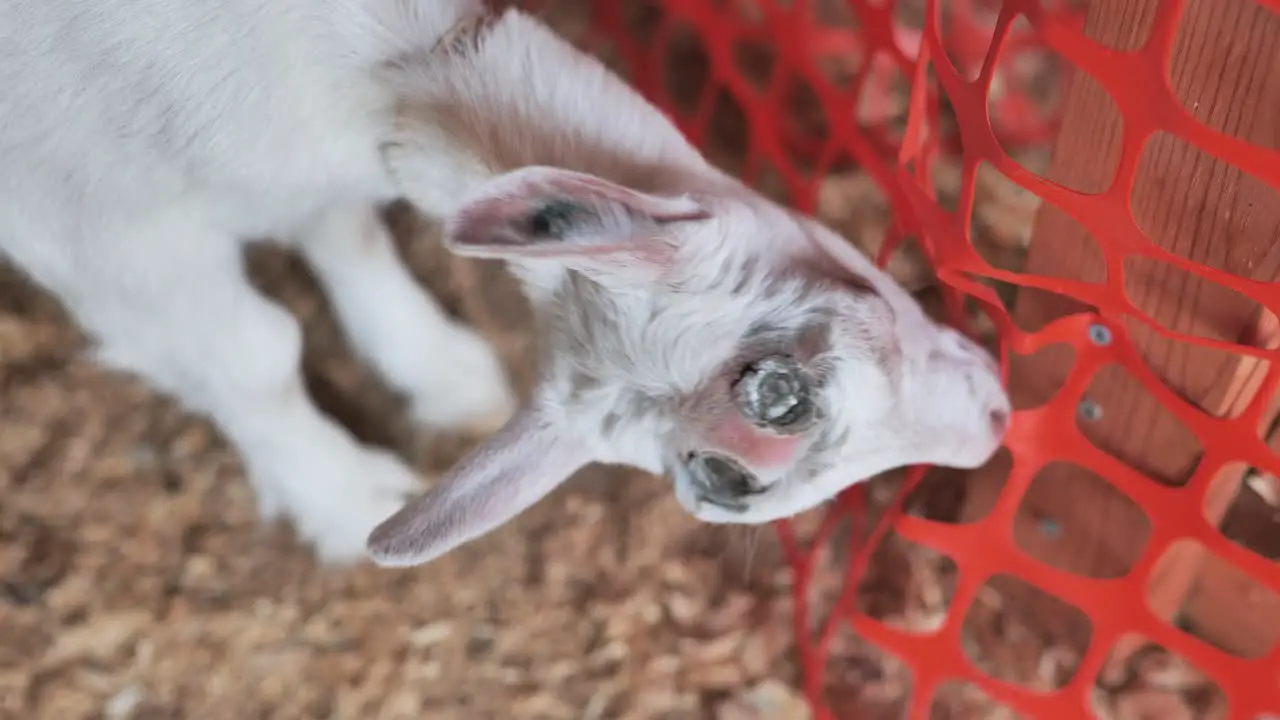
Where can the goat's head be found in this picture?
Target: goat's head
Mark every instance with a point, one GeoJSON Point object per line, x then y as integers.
{"type": "Point", "coordinates": [742, 350]}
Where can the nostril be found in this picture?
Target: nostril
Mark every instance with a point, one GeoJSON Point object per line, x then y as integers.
{"type": "Point", "coordinates": [999, 420]}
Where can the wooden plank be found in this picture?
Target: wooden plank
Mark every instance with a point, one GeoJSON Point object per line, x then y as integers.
{"type": "Point", "coordinates": [1224, 606]}
{"type": "Point", "coordinates": [1186, 565]}
{"type": "Point", "coordinates": [1197, 207]}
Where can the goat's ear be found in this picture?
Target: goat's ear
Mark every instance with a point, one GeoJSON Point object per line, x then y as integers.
{"type": "Point", "coordinates": [581, 220]}
{"type": "Point", "coordinates": [513, 469]}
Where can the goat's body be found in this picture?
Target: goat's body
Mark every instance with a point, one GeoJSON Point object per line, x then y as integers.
{"type": "Point", "coordinates": [252, 115]}
{"type": "Point", "coordinates": [142, 142]}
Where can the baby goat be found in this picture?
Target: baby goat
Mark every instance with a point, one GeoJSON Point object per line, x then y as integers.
{"type": "Point", "coordinates": [691, 327]}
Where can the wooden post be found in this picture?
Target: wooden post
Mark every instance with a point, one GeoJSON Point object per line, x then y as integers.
{"type": "Point", "coordinates": [1202, 209]}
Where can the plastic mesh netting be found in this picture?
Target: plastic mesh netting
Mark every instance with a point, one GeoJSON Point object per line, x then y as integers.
{"type": "Point", "coordinates": [1158, 227]}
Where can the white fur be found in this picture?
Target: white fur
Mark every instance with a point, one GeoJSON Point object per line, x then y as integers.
{"type": "Point", "coordinates": [144, 141]}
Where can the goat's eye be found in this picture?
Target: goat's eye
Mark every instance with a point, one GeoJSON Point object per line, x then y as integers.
{"type": "Point", "coordinates": [554, 218]}
{"type": "Point", "coordinates": [777, 393]}
{"type": "Point", "coordinates": [722, 480]}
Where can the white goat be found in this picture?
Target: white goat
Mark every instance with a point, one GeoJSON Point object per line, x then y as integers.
{"type": "Point", "coordinates": [692, 328]}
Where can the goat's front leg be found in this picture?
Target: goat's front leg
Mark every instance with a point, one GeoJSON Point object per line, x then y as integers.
{"type": "Point", "coordinates": [168, 299]}
{"type": "Point", "coordinates": [450, 373]}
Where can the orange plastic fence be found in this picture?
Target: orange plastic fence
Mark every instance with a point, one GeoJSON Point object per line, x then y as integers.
{"type": "Point", "coordinates": [979, 36]}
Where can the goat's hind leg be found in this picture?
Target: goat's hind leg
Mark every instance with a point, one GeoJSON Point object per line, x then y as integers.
{"type": "Point", "coordinates": [170, 301]}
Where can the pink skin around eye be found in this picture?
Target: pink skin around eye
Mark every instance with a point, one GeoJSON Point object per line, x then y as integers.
{"type": "Point", "coordinates": [756, 447]}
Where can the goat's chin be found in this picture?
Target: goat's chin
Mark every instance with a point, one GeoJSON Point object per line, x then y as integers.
{"type": "Point", "coordinates": [969, 455]}
{"type": "Point", "coordinates": [715, 515]}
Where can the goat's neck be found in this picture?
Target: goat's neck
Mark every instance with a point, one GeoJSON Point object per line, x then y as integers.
{"type": "Point", "coordinates": [509, 94]}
